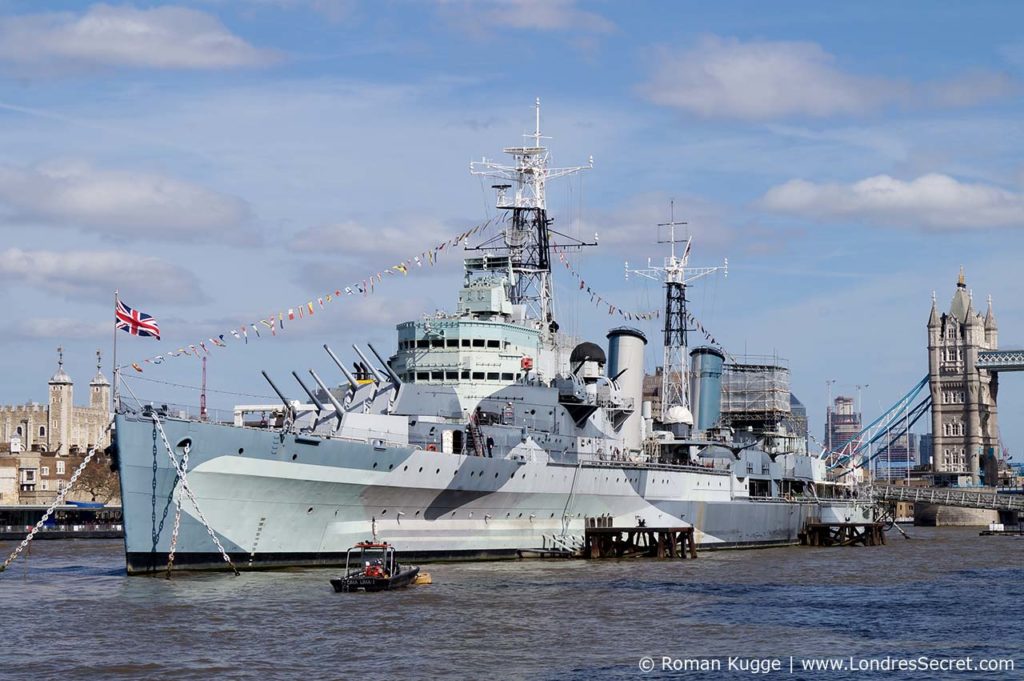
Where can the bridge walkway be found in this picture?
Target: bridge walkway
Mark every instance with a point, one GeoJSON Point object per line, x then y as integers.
{"type": "Point", "coordinates": [949, 496]}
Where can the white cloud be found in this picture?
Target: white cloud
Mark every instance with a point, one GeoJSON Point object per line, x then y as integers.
{"type": "Point", "coordinates": [94, 275]}
{"type": "Point", "coordinates": [973, 87]}
{"type": "Point", "coordinates": [933, 201]}
{"type": "Point", "coordinates": [126, 204]}
{"type": "Point", "coordinates": [723, 77]}
{"type": "Point", "coordinates": [398, 238]}
{"type": "Point", "coordinates": [123, 36]}
{"type": "Point", "coordinates": [64, 328]}
{"type": "Point", "coordinates": [633, 226]}
{"type": "Point", "coordinates": [332, 10]}
{"type": "Point", "coordinates": [532, 15]}
{"type": "Point", "coordinates": [767, 80]}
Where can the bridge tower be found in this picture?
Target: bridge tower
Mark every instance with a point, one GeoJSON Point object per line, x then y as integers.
{"type": "Point", "coordinates": [965, 431]}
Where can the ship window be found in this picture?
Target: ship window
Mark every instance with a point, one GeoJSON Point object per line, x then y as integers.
{"type": "Point", "coordinates": [493, 344]}
{"type": "Point", "coordinates": [423, 343]}
{"type": "Point", "coordinates": [422, 376]}
{"type": "Point", "coordinates": [436, 375]}
{"type": "Point", "coordinates": [465, 375]}
{"type": "Point", "coordinates": [492, 376]}
{"type": "Point", "coordinates": [506, 377]}
{"type": "Point", "coordinates": [478, 375]}
{"type": "Point", "coordinates": [437, 342]}
{"type": "Point", "coordinates": [465, 342]}
{"type": "Point", "coordinates": [452, 343]}
{"type": "Point", "coordinates": [451, 375]}
{"type": "Point", "coordinates": [478, 342]}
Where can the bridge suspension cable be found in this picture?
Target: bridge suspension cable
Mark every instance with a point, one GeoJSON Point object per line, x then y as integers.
{"type": "Point", "coordinates": [896, 419]}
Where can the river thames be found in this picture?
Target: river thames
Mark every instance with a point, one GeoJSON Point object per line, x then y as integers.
{"type": "Point", "coordinates": [946, 595]}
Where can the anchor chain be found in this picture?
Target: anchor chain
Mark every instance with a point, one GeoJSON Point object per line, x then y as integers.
{"type": "Point", "coordinates": [191, 496]}
{"type": "Point", "coordinates": [46, 516]}
{"type": "Point", "coordinates": [177, 516]}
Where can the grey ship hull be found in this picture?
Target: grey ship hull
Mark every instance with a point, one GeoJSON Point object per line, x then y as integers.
{"type": "Point", "coordinates": [279, 500]}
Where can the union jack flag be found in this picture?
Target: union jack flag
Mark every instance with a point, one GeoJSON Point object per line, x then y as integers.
{"type": "Point", "coordinates": [134, 322]}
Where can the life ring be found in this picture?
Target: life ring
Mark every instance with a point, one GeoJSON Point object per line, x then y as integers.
{"type": "Point", "coordinates": [431, 448]}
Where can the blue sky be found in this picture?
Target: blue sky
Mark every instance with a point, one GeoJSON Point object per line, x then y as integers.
{"type": "Point", "coordinates": [221, 161]}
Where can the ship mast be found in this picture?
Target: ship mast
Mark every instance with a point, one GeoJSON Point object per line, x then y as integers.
{"type": "Point", "coordinates": [526, 240]}
{"type": "Point", "coordinates": [674, 272]}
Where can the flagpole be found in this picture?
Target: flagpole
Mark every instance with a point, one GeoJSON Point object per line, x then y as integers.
{"type": "Point", "coordinates": [114, 396]}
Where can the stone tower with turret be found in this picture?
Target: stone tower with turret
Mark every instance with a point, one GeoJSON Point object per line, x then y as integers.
{"type": "Point", "coordinates": [61, 407]}
{"type": "Point", "coordinates": [965, 431]}
{"type": "Point", "coordinates": [99, 387]}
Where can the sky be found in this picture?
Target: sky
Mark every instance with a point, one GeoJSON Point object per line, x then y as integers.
{"type": "Point", "coordinates": [219, 162]}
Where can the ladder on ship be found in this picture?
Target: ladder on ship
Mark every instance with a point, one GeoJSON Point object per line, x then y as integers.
{"type": "Point", "coordinates": [476, 438]}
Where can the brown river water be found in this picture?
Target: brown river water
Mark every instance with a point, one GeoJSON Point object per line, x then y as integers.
{"type": "Point", "coordinates": [69, 612]}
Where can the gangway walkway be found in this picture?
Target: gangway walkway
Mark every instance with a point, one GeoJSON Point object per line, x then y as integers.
{"type": "Point", "coordinates": [949, 496]}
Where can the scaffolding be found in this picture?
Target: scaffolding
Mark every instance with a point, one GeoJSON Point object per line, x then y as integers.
{"type": "Point", "coordinates": [755, 393]}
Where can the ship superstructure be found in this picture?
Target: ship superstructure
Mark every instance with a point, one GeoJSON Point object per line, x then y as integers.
{"type": "Point", "coordinates": [488, 433]}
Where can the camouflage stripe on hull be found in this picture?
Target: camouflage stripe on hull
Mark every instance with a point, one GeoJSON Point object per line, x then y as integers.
{"type": "Point", "coordinates": [277, 500]}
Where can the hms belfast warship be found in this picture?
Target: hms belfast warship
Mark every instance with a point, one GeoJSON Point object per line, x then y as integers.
{"type": "Point", "coordinates": [488, 434]}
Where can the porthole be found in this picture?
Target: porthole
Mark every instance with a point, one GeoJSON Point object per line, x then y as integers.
{"type": "Point", "coordinates": [390, 466]}
{"type": "Point", "coordinates": [309, 510]}
{"type": "Point", "coordinates": [240, 450]}
{"type": "Point", "coordinates": [374, 464]}
{"type": "Point", "coordinates": [405, 468]}
{"type": "Point", "coordinates": [438, 471]}
{"type": "Point", "coordinates": [384, 511]}
{"type": "Point", "coordinates": [421, 469]}
{"type": "Point", "coordinates": [495, 476]}
{"type": "Point", "coordinates": [417, 513]}
{"type": "Point", "coordinates": [294, 456]}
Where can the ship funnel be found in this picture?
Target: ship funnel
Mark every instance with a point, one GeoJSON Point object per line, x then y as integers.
{"type": "Point", "coordinates": [706, 386]}
{"type": "Point", "coordinates": [626, 360]}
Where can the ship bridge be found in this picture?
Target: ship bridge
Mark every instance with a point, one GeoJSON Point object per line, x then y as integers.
{"type": "Point", "coordinates": [458, 349]}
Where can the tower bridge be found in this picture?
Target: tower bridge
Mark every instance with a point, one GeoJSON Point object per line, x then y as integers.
{"type": "Point", "coordinates": [959, 392]}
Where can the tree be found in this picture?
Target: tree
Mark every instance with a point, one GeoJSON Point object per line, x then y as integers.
{"type": "Point", "coordinates": [99, 480]}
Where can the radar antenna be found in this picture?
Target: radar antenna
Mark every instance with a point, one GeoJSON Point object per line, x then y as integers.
{"type": "Point", "coordinates": [676, 275]}
{"type": "Point", "coordinates": [525, 245]}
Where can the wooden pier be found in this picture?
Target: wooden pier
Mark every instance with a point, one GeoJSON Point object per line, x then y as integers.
{"type": "Point", "coordinates": [843, 534]}
{"type": "Point", "coordinates": [601, 540]}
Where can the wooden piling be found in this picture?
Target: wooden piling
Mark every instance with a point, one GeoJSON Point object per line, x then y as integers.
{"type": "Point", "coordinates": [843, 534]}
{"type": "Point", "coordinates": [601, 540]}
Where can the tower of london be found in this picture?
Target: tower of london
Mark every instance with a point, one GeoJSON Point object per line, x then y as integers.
{"type": "Point", "coordinates": [59, 427]}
